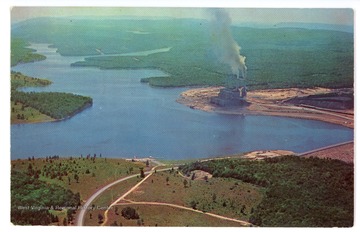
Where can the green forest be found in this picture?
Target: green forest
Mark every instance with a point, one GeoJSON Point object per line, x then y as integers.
{"type": "Point", "coordinates": [32, 199]}
{"type": "Point", "coordinates": [300, 192]}
{"type": "Point", "coordinates": [275, 57]}
{"type": "Point", "coordinates": [56, 105]}
{"type": "Point", "coordinates": [21, 54]}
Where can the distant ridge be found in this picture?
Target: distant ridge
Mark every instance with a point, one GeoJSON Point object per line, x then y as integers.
{"type": "Point", "coordinates": [314, 26]}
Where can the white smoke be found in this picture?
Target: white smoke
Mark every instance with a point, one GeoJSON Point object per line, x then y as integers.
{"type": "Point", "coordinates": [226, 48]}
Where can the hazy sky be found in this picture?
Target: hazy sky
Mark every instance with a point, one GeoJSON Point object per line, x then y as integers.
{"type": "Point", "coordinates": [254, 15]}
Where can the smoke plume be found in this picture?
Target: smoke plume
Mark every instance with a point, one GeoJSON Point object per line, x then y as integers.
{"type": "Point", "coordinates": [226, 48]}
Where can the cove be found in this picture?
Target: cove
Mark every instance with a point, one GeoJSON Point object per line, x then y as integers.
{"type": "Point", "coordinates": [129, 118]}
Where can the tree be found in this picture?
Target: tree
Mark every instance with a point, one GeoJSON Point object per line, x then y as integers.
{"type": "Point", "coordinates": [147, 163]}
{"type": "Point", "coordinates": [76, 177]}
{"type": "Point", "coordinates": [142, 174]}
{"type": "Point", "coordinates": [243, 209]}
{"type": "Point", "coordinates": [114, 224]}
{"type": "Point", "coordinates": [224, 204]}
{"type": "Point", "coordinates": [65, 222]}
{"type": "Point", "coordinates": [214, 197]}
{"type": "Point", "coordinates": [129, 213]}
{"type": "Point", "coordinates": [185, 183]}
{"type": "Point", "coordinates": [100, 217]}
{"type": "Point", "coordinates": [193, 176]}
{"type": "Point", "coordinates": [193, 204]}
{"type": "Point", "coordinates": [69, 214]}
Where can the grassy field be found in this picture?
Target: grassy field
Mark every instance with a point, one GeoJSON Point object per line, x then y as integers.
{"type": "Point", "coordinates": [91, 174]}
{"type": "Point", "coordinates": [19, 80]}
{"type": "Point", "coordinates": [22, 113]}
{"type": "Point", "coordinates": [234, 193]}
{"type": "Point", "coordinates": [104, 200]}
{"type": "Point", "coordinates": [218, 195]}
{"type": "Point", "coordinates": [167, 216]}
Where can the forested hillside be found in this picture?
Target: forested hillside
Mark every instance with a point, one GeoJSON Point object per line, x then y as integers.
{"type": "Point", "coordinates": [306, 192]}
{"type": "Point", "coordinates": [275, 57]}
{"type": "Point", "coordinates": [21, 54]}
{"type": "Point", "coordinates": [31, 199]}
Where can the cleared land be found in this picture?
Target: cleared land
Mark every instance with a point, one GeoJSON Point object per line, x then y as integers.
{"type": "Point", "coordinates": [157, 215]}
{"type": "Point", "coordinates": [216, 195]}
{"type": "Point", "coordinates": [299, 192]}
{"type": "Point", "coordinates": [343, 152]}
{"type": "Point", "coordinates": [92, 173]}
{"type": "Point", "coordinates": [22, 113]}
{"type": "Point", "coordinates": [269, 102]}
{"type": "Point", "coordinates": [175, 192]}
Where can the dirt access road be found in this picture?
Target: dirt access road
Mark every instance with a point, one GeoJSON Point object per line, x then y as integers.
{"type": "Point", "coordinates": [241, 222]}
{"type": "Point", "coordinates": [80, 218]}
{"type": "Point", "coordinates": [86, 206]}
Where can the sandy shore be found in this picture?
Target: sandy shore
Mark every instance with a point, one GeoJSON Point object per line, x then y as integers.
{"type": "Point", "coordinates": [269, 102]}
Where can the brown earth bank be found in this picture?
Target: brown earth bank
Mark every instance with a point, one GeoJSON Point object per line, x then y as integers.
{"type": "Point", "coordinates": [343, 152]}
{"type": "Point", "coordinates": [270, 102]}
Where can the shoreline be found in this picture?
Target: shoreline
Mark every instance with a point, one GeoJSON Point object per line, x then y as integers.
{"type": "Point", "coordinates": [270, 103]}
{"type": "Point", "coordinates": [81, 109]}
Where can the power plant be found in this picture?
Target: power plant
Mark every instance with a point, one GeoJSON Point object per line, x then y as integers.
{"type": "Point", "coordinates": [227, 51]}
{"type": "Point", "coordinates": [234, 94]}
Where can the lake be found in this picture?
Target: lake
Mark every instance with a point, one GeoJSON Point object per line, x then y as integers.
{"type": "Point", "coordinates": [129, 118]}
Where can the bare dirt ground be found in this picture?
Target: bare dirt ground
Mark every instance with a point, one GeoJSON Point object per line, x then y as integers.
{"type": "Point", "coordinates": [344, 153]}
{"type": "Point", "coordinates": [259, 155]}
{"type": "Point", "coordinates": [199, 175]}
{"type": "Point", "coordinates": [269, 102]}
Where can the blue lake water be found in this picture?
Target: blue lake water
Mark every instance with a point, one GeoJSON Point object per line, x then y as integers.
{"type": "Point", "coordinates": [129, 118]}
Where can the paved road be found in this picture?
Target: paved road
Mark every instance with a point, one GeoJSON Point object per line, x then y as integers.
{"type": "Point", "coordinates": [82, 210]}
{"type": "Point", "coordinates": [124, 195]}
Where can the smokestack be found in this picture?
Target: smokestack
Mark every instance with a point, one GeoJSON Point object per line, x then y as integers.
{"type": "Point", "coordinates": [226, 48]}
